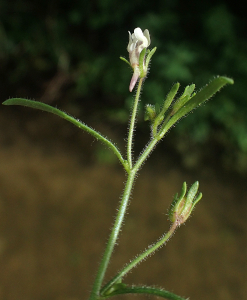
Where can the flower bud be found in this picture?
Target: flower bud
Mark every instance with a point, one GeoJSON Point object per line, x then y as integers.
{"type": "Point", "coordinates": [182, 206]}
{"type": "Point", "coordinates": [150, 113]}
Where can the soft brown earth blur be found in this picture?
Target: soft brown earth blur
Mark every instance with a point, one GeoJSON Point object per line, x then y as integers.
{"type": "Point", "coordinates": [57, 205]}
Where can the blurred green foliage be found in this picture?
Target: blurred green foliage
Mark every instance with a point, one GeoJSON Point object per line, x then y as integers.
{"type": "Point", "coordinates": [84, 39]}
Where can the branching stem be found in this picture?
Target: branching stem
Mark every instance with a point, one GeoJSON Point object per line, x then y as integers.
{"type": "Point", "coordinates": [141, 257]}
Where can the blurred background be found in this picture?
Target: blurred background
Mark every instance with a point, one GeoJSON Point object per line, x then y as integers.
{"type": "Point", "coordinates": [60, 188]}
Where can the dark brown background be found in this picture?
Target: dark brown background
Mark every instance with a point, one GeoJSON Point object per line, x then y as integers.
{"type": "Point", "coordinates": [57, 205]}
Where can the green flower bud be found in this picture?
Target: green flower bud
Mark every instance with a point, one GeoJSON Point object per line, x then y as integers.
{"type": "Point", "coordinates": [182, 206]}
{"type": "Point", "coordinates": [150, 113]}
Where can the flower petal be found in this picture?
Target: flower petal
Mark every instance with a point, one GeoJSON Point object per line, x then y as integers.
{"type": "Point", "coordinates": [130, 42]}
{"type": "Point", "coordinates": [139, 34]}
{"type": "Point", "coordinates": [140, 37]}
{"type": "Point", "coordinates": [147, 35]}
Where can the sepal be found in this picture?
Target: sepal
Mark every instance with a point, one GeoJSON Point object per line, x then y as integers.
{"type": "Point", "coordinates": [125, 60]}
{"type": "Point", "coordinates": [142, 66]}
{"type": "Point", "coordinates": [182, 206]}
{"type": "Point", "coordinates": [149, 56]}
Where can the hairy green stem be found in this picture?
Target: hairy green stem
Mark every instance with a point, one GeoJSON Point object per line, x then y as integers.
{"type": "Point", "coordinates": [113, 238]}
{"type": "Point", "coordinates": [149, 148]}
{"type": "Point", "coordinates": [140, 257]}
{"type": "Point", "coordinates": [95, 294]}
{"type": "Point", "coordinates": [132, 124]}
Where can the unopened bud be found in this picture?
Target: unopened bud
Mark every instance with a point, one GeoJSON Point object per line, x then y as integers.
{"type": "Point", "coordinates": [150, 113]}
{"type": "Point", "coordinates": [182, 206]}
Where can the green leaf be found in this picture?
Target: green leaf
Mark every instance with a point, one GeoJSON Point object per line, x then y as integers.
{"type": "Point", "coordinates": [187, 95]}
{"type": "Point", "coordinates": [58, 112]}
{"type": "Point", "coordinates": [53, 110]}
{"type": "Point", "coordinates": [152, 291]}
{"type": "Point", "coordinates": [170, 97]}
{"type": "Point", "coordinates": [208, 91]}
{"type": "Point", "coordinates": [203, 95]}
{"type": "Point", "coordinates": [166, 105]}
{"type": "Point", "coordinates": [188, 90]}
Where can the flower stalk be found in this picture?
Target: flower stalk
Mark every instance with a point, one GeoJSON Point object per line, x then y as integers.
{"type": "Point", "coordinates": [150, 249]}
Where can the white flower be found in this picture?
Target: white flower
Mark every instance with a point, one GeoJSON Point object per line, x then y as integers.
{"type": "Point", "coordinates": [137, 42]}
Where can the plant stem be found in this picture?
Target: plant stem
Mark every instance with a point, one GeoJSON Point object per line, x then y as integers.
{"type": "Point", "coordinates": [141, 257]}
{"type": "Point", "coordinates": [149, 148]}
{"type": "Point", "coordinates": [132, 124]}
{"type": "Point", "coordinates": [95, 294]}
{"type": "Point", "coordinates": [120, 216]}
{"type": "Point", "coordinates": [113, 238]}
